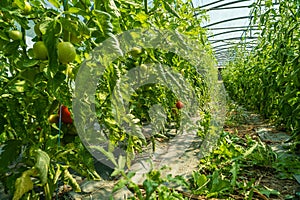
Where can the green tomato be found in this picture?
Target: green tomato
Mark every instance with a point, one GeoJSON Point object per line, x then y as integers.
{"type": "Point", "coordinates": [27, 8]}
{"type": "Point", "coordinates": [40, 51]}
{"type": "Point", "coordinates": [15, 35]}
{"type": "Point", "coordinates": [135, 51]}
{"type": "Point", "coordinates": [66, 52]}
{"type": "Point", "coordinates": [143, 68]}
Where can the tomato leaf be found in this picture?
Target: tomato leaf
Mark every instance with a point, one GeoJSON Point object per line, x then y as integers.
{"type": "Point", "coordinates": [57, 80]}
{"type": "Point", "coordinates": [74, 10]}
{"type": "Point", "coordinates": [9, 153]}
{"type": "Point", "coordinates": [55, 3]}
{"type": "Point", "coordinates": [54, 28]}
{"type": "Point", "coordinates": [30, 63]}
{"type": "Point", "coordinates": [113, 8]}
{"type": "Point", "coordinates": [69, 25]}
{"type": "Point", "coordinates": [4, 36]}
{"type": "Point", "coordinates": [72, 180]}
{"type": "Point", "coordinates": [42, 164]}
{"type": "Point", "coordinates": [169, 8]}
{"type": "Point", "coordinates": [23, 184]}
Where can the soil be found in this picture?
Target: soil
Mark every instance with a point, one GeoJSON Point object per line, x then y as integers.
{"type": "Point", "coordinates": [249, 124]}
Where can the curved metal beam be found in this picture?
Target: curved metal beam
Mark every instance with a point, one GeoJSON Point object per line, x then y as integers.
{"type": "Point", "coordinates": [232, 31]}
{"type": "Point", "coordinates": [227, 20]}
{"type": "Point", "coordinates": [212, 3]}
{"type": "Point", "coordinates": [227, 44]}
{"type": "Point", "coordinates": [224, 4]}
{"type": "Point", "coordinates": [253, 42]}
{"type": "Point", "coordinates": [232, 7]}
{"type": "Point", "coordinates": [233, 38]}
{"type": "Point", "coordinates": [222, 49]}
{"type": "Point", "coordinates": [233, 27]}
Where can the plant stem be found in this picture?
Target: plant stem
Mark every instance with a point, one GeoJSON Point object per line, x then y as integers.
{"type": "Point", "coordinates": [146, 6]}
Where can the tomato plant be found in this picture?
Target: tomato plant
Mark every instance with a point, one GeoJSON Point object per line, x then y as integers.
{"type": "Point", "coordinates": [36, 82]}
{"type": "Point", "coordinates": [267, 79]}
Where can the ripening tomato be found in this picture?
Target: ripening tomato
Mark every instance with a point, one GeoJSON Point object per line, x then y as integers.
{"type": "Point", "coordinates": [65, 115]}
{"type": "Point", "coordinates": [179, 105]}
{"type": "Point", "coordinates": [53, 118]}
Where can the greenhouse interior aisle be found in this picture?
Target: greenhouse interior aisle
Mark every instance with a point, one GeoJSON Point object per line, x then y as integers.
{"type": "Point", "coordinates": [149, 99]}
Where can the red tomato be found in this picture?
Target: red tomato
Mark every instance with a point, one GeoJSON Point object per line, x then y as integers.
{"type": "Point", "coordinates": [65, 115]}
{"type": "Point", "coordinates": [179, 105]}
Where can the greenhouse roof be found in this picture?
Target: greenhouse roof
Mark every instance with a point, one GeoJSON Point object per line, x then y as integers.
{"type": "Point", "coordinates": [229, 23]}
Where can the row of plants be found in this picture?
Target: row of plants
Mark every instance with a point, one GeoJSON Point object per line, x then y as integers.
{"type": "Point", "coordinates": [39, 142]}
{"type": "Point", "coordinates": [266, 79]}
{"type": "Point", "coordinates": [231, 171]}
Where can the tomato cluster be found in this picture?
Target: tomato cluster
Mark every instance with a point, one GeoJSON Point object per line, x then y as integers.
{"type": "Point", "coordinates": [65, 115]}
{"type": "Point", "coordinates": [65, 50]}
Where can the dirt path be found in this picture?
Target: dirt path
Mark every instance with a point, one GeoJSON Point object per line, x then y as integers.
{"type": "Point", "coordinates": [244, 124]}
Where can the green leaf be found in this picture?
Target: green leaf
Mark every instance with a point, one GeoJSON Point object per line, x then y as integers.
{"type": "Point", "coordinates": [249, 151]}
{"type": "Point", "coordinates": [74, 10]}
{"type": "Point", "coordinates": [121, 162]}
{"type": "Point", "coordinates": [30, 63]}
{"type": "Point", "coordinates": [108, 154]}
{"type": "Point", "coordinates": [58, 172]}
{"type": "Point", "coordinates": [150, 186]}
{"type": "Point", "coordinates": [54, 29]}
{"type": "Point", "coordinates": [29, 74]}
{"type": "Point", "coordinates": [20, 3]}
{"type": "Point", "coordinates": [218, 184]}
{"type": "Point", "coordinates": [268, 192]}
{"type": "Point", "coordinates": [113, 8]}
{"type": "Point", "coordinates": [4, 36]}
{"type": "Point", "coordinates": [42, 164]}
{"type": "Point", "coordinates": [83, 29]}
{"type": "Point", "coordinates": [170, 9]}
{"type": "Point", "coordinates": [121, 184]}
{"type": "Point", "coordinates": [23, 184]}
{"type": "Point", "coordinates": [141, 17]}
{"type": "Point", "coordinates": [55, 3]}
{"type": "Point", "coordinates": [234, 172]}
{"type": "Point", "coordinates": [10, 152]}
{"type": "Point", "coordinates": [69, 25]}
{"type": "Point", "coordinates": [72, 180]}
{"type": "Point", "coordinates": [11, 48]}
{"type": "Point", "coordinates": [57, 80]}
{"type": "Point", "coordinates": [131, 3]}
{"type": "Point", "coordinates": [200, 180]}
{"type": "Point", "coordinates": [116, 172]}
{"type": "Point", "coordinates": [103, 21]}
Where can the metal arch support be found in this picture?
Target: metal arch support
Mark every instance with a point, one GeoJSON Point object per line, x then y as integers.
{"type": "Point", "coordinates": [233, 27]}
{"type": "Point", "coordinates": [224, 4]}
{"type": "Point", "coordinates": [232, 31]}
{"type": "Point", "coordinates": [227, 20]}
{"type": "Point", "coordinates": [233, 38]}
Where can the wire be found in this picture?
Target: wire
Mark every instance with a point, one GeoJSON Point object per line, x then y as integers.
{"type": "Point", "coordinates": [59, 126]}
{"type": "Point", "coordinates": [58, 141]}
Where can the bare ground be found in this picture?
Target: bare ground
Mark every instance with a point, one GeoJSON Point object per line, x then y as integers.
{"type": "Point", "coordinates": [246, 123]}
